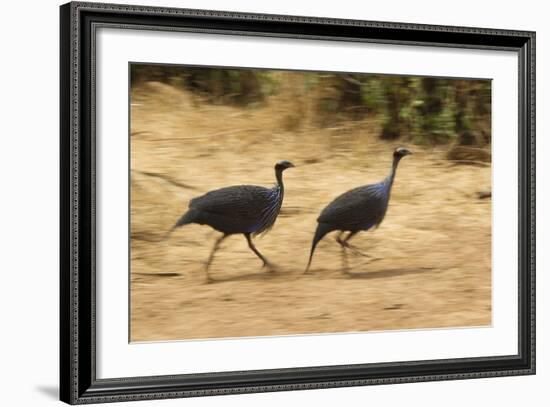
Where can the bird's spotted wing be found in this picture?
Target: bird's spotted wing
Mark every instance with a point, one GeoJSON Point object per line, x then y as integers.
{"type": "Point", "coordinates": [240, 201]}
{"type": "Point", "coordinates": [359, 208]}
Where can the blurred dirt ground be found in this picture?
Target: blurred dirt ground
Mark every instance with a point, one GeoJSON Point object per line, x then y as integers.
{"type": "Point", "coordinates": [433, 248]}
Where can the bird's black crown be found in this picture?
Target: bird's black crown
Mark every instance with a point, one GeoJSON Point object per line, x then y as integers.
{"type": "Point", "coordinates": [283, 165]}
{"type": "Point", "coordinates": [401, 152]}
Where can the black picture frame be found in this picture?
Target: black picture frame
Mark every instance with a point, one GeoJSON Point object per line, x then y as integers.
{"type": "Point", "coordinates": [78, 382]}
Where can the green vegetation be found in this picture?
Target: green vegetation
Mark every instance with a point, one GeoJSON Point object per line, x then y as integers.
{"type": "Point", "coordinates": [422, 110]}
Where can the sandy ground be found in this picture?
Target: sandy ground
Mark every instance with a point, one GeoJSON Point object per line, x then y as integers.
{"type": "Point", "coordinates": [433, 250]}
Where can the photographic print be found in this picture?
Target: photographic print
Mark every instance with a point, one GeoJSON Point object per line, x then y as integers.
{"type": "Point", "coordinates": [255, 202]}
{"type": "Point", "coordinates": [274, 202]}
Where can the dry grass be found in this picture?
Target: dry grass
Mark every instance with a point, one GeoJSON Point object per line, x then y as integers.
{"type": "Point", "coordinates": [434, 245]}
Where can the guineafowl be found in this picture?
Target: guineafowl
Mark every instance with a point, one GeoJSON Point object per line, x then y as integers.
{"type": "Point", "coordinates": [359, 209]}
{"type": "Point", "coordinates": [242, 209]}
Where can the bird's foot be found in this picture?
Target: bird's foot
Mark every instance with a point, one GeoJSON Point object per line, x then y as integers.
{"type": "Point", "coordinates": [269, 267]}
{"type": "Point", "coordinates": [352, 248]}
{"type": "Point", "coordinates": [357, 251]}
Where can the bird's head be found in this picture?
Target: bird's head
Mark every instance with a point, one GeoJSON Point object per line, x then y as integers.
{"type": "Point", "coordinates": [400, 152]}
{"type": "Point", "coordinates": [283, 165]}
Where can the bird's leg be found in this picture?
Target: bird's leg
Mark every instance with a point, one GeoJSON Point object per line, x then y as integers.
{"type": "Point", "coordinates": [253, 248]}
{"type": "Point", "coordinates": [339, 238]}
{"type": "Point", "coordinates": [344, 242]}
{"type": "Point", "coordinates": [353, 248]}
{"type": "Point", "coordinates": [343, 246]}
{"type": "Point", "coordinates": [345, 264]}
{"type": "Point", "coordinates": [211, 257]}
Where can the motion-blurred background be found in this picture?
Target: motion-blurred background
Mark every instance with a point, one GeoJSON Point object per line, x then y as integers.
{"type": "Point", "coordinates": [194, 129]}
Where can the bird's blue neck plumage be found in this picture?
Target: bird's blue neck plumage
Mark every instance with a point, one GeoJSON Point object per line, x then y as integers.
{"type": "Point", "coordinates": [388, 181]}
{"type": "Point", "coordinates": [279, 187]}
{"type": "Point", "coordinates": [270, 211]}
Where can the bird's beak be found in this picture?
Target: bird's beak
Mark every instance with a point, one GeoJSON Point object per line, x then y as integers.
{"type": "Point", "coordinates": [290, 165]}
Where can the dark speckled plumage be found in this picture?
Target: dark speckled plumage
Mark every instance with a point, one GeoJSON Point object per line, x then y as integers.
{"type": "Point", "coordinates": [358, 209]}
{"type": "Point", "coordinates": [241, 209]}
{"type": "Point", "coordinates": [237, 209]}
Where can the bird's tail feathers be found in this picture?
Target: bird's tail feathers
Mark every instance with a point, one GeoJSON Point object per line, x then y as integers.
{"type": "Point", "coordinates": [186, 219]}
{"type": "Point", "coordinates": [320, 232]}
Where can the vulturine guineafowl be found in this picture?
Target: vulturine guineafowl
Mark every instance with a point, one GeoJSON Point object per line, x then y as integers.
{"type": "Point", "coordinates": [356, 210]}
{"type": "Point", "coordinates": [242, 209]}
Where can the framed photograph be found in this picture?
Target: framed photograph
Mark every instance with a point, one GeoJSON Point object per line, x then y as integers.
{"type": "Point", "coordinates": [255, 203]}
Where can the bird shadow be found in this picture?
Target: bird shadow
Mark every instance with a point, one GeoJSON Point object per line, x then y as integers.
{"type": "Point", "coordinates": [366, 275]}
{"type": "Point", "coordinates": [389, 273]}
{"type": "Point", "coordinates": [257, 276]}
